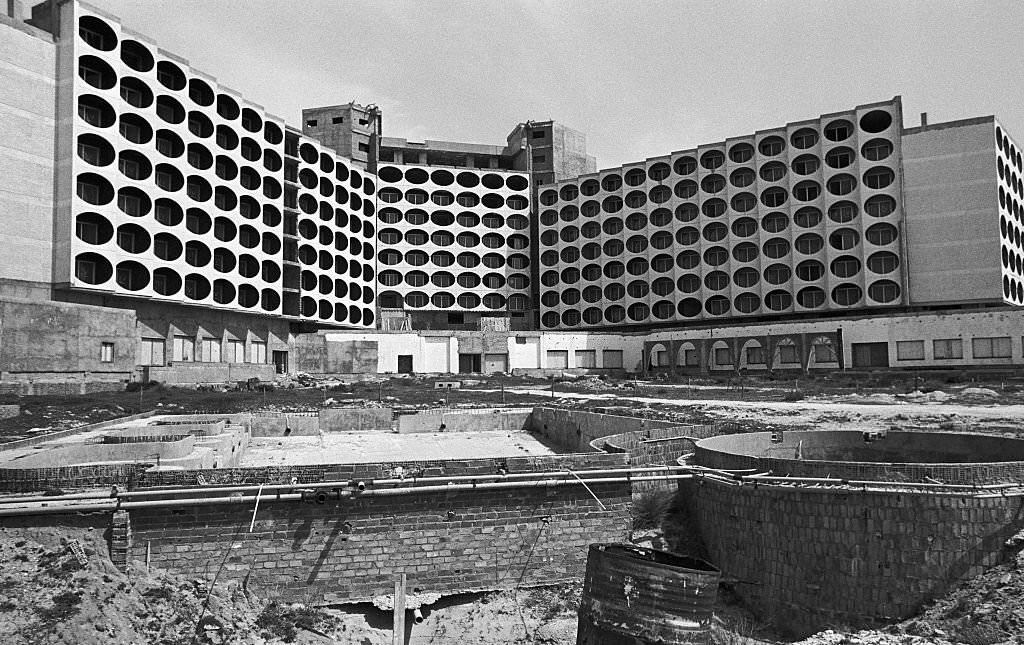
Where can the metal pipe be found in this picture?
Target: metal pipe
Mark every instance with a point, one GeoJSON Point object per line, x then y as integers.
{"type": "Point", "coordinates": [417, 616]}
{"type": "Point", "coordinates": [156, 492]}
{"type": "Point", "coordinates": [53, 498]}
{"type": "Point", "coordinates": [244, 499]}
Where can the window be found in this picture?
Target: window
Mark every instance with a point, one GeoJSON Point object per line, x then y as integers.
{"type": "Point", "coordinates": [771, 146]}
{"type": "Point", "coordinates": [839, 157]}
{"type": "Point", "coordinates": [879, 177]}
{"type": "Point", "coordinates": [88, 231]}
{"type": "Point", "coordinates": [755, 356]}
{"type": "Point", "coordinates": [880, 205]}
{"type": "Point", "coordinates": [557, 359]}
{"type": "Point", "coordinates": [182, 349]}
{"type": "Point", "coordinates": [948, 348]}
{"type": "Point", "coordinates": [910, 350]}
{"type": "Point", "coordinates": [235, 352]}
{"type": "Point", "coordinates": [824, 353]}
{"type": "Point", "coordinates": [586, 358]}
{"type": "Point", "coordinates": [611, 359]}
{"type": "Point", "coordinates": [877, 149]}
{"type": "Point", "coordinates": [209, 350]}
{"type": "Point", "coordinates": [311, 123]}
{"type": "Point", "coordinates": [132, 205]}
{"type": "Point", "coordinates": [151, 351]}
{"type": "Point", "coordinates": [336, 120]}
{"type": "Point", "coordinates": [723, 356]}
{"type": "Point", "coordinates": [788, 354]}
{"type": "Point", "coordinates": [107, 353]}
{"type": "Point", "coordinates": [258, 352]}
{"type": "Point", "coordinates": [89, 153]}
{"type": "Point", "coordinates": [993, 347]}
{"type": "Point", "coordinates": [538, 158]}
{"type": "Point", "coordinates": [773, 171]}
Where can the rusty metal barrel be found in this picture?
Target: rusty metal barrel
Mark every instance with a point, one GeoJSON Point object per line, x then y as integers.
{"type": "Point", "coordinates": [638, 596]}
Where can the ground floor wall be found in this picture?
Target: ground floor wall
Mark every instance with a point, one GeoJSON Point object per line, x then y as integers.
{"type": "Point", "coordinates": [50, 341]}
{"type": "Point", "coordinates": [468, 352]}
{"type": "Point", "coordinates": [993, 339]}
{"type": "Point", "coordinates": [805, 557]}
{"type": "Point", "coordinates": [107, 339]}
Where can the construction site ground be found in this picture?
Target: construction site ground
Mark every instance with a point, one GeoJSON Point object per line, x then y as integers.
{"type": "Point", "coordinates": [357, 448]}
{"type": "Point", "coordinates": [47, 596]}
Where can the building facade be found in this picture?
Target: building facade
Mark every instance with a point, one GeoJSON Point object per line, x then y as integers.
{"type": "Point", "coordinates": [138, 186]}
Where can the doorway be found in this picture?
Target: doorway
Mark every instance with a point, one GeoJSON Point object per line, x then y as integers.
{"type": "Point", "coordinates": [280, 362]}
{"type": "Point", "coordinates": [405, 363]}
{"type": "Point", "coordinates": [469, 363]}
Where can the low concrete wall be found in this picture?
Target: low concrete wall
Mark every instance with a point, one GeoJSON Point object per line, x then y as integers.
{"type": "Point", "coordinates": [356, 419]}
{"type": "Point", "coordinates": [50, 436]}
{"type": "Point", "coordinates": [196, 429]}
{"type": "Point", "coordinates": [190, 373]}
{"type": "Point", "coordinates": [300, 424]}
{"type": "Point", "coordinates": [71, 385]}
{"type": "Point", "coordinates": [466, 421]}
{"type": "Point", "coordinates": [88, 453]}
{"type": "Point", "coordinates": [573, 430]}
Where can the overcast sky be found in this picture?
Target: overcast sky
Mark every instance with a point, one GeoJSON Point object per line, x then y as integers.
{"type": "Point", "coordinates": [641, 79]}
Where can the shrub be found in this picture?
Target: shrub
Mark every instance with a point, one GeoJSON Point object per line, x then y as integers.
{"type": "Point", "coordinates": [650, 509]}
{"type": "Point", "coordinates": [280, 622]}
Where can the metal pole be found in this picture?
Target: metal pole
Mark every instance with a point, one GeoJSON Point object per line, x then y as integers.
{"type": "Point", "coordinates": [398, 636]}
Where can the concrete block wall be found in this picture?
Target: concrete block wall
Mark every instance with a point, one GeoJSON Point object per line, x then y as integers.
{"type": "Point", "coordinates": [497, 419]}
{"type": "Point", "coordinates": [356, 419]}
{"type": "Point", "coordinates": [346, 551]}
{"type": "Point", "coordinates": [806, 558]}
{"type": "Point", "coordinates": [277, 425]}
{"type": "Point", "coordinates": [188, 373]}
{"type": "Point", "coordinates": [573, 430]}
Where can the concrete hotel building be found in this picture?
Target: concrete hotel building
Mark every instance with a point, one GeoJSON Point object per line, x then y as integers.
{"type": "Point", "coordinates": [166, 227]}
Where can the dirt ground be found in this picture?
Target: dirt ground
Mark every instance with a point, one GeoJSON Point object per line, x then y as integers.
{"type": "Point", "coordinates": [46, 596]}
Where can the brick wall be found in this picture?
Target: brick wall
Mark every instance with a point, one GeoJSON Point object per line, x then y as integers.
{"type": "Point", "coordinates": [806, 558]}
{"type": "Point", "coordinates": [345, 551]}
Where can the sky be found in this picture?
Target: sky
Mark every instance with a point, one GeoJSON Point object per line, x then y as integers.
{"type": "Point", "coordinates": [640, 79]}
